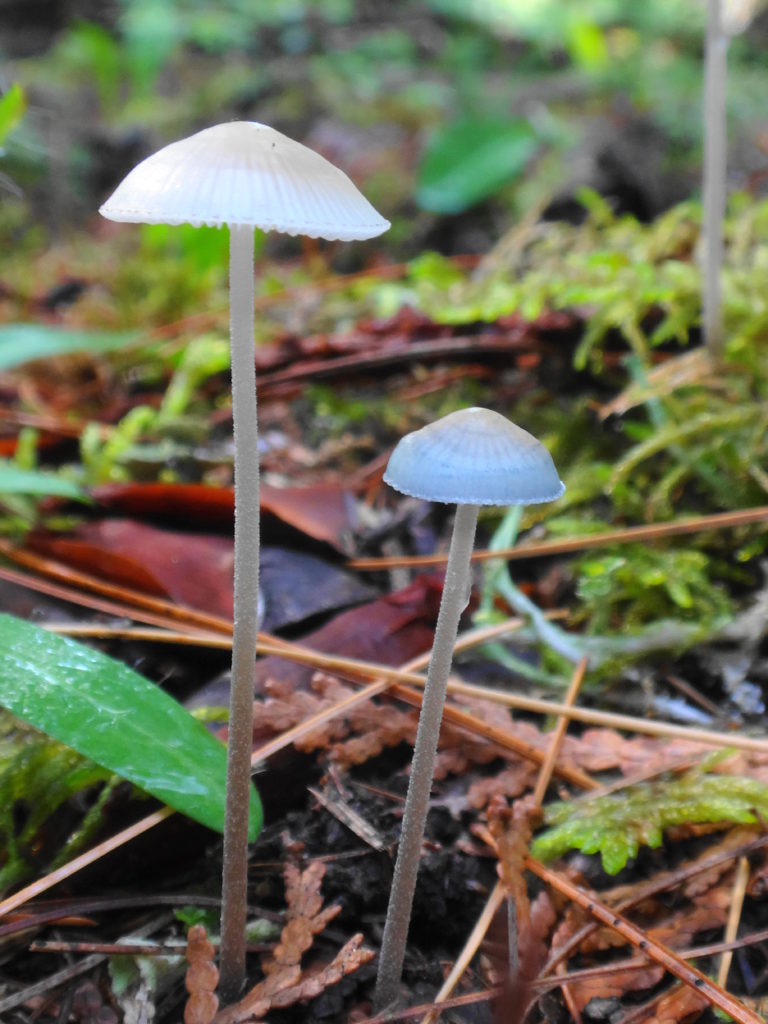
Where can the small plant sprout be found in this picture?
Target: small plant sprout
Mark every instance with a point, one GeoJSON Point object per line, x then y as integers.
{"type": "Point", "coordinates": [243, 175]}
{"type": "Point", "coordinates": [470, 458]}
{"type": "Point", "coordinates": [725, 18]}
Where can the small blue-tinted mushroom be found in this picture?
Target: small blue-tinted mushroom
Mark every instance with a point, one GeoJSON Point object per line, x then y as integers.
{"type": "Point", "coordinates": [470, 458]}
{"type": "Point", "coordinates": [474, 457]}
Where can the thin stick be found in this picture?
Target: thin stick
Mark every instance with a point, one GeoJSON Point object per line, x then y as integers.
{"type": "Point", "coordinates": [503, 737]}
{"type": "Point", "coordinates": [640, 963]}
{"type": "Point", "coordinates": [53, 878]}
{"type": "Point", "coordinates": [694, 524]}
{"type": "Point", "coordinates": [357, 668]}
{"type": "Point", "coordinates": [655, 950]}
{"type": "Point", "coordinates": [454, 600]}
{"type": "Point", "coordinates": [628, 723]}
{"type": "Point", "coordinates": [240, 734]}
{"type": "Point", "coordinates": [558, 735]}
{"type": "Point", "coordinates": [543, 780]}
{"type": "Point", "coordinates": [715, 168]}
{"type": "Point", "coordinates": [476, 936]}
{"type": "Point", "coordinates": [669, 880]}
{"type": "Point", "coordinates": [734, 917]}
{"type": "Point", "coordinates": [50, 569]}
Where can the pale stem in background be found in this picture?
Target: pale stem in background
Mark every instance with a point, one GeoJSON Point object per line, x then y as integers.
{"type": "Point", "coordinates": [456, 590]}
{"type": "Point", "coordinates": [240, 737]}
{"type": "Point", "coordinates": [715, 166]}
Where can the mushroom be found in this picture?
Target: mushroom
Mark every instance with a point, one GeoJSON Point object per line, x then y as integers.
{"type": "Point", "coordinates": [725, 19]}
{"type": "Point", "coordinates": [472, 457]}
{"type": "Point", "coordinates": [243, 175]}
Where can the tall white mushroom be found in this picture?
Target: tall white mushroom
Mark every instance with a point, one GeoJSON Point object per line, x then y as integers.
{"type": "Point", "coordinates": [725, 19]}
{"type": "Point", "coordinates": [243, 175]}
{"type": "Point", "coordinates": [470, 458]}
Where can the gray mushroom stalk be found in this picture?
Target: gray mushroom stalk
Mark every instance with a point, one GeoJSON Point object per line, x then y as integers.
{"type": "Point", "coordinates": [243, 175]}
{"type": "Point", "coordinates": [469, 458]}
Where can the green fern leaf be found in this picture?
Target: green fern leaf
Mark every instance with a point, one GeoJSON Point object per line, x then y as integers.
{"type": "Point", "coordinates": [616, 825]}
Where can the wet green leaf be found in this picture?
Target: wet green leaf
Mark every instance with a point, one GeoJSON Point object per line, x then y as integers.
{"type": "Point", "coordinates": [117, 718]}
{"type": "Point", "coordinates": [470, 159]}
{"type": "Point", "coordinates": [21, 342]}
{"type": "Point", "coordinates": [13, 103]}
{"type": "Point", "coordinates": [14, 480]}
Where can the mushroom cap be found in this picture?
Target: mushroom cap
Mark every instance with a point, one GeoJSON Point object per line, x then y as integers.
{"type": "Point", "coordinates": [244, 173]}
{"type": "Point", "coordinates": [474, 457]}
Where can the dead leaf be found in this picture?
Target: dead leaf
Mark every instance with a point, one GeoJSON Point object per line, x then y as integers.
{"type": "Point", "coordinates": [682, 1006]}
{"type": "Point", "coordinates": [325, 512]}
{"type": "Point", "coordinates": [390, 631]}
{"type": "Point", "coordinates": [615, 985]}
{"type": "Point", "coordinates": [201, 979]}
{"type": "Point", "coordinates": [286, 982]}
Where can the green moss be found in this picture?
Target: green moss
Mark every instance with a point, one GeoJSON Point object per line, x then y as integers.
{"type": "Point", "coordinates": [617, 825]}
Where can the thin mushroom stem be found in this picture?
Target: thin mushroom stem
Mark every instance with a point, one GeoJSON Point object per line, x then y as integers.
{"type": "Point", "coordinates": [455, 598]}
{"type": "Point", "coordinates": [246, 595]}
{"type": "Point", "coordinates": [715, 168]}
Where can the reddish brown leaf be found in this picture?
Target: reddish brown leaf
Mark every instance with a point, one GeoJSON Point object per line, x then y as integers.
{"type": "Point", "coordinates": [325, 512]}
{"type": "Point", "coordinates": [285, 981]}
{"type": "Point", "coordinates": [615, 985]}
{"type": "Point", "coordinates": [682, 1006]}
{"type": "Point", "coordinates": [391, 631]}
{"type": "Point", "coordinates": [191, 568]}
{"type": "Point", "coordinates": [201, 979]}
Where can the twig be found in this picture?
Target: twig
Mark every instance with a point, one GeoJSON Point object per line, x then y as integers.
{"type": "Point", "coordinates": [410, 1013]}
{"type": "Point", "coordinates": [52, 981]}
{"type": "Point", "coordinates": [663, 883]}
{"type": "Point", "coordinates": [657, 531]}
{"type": "Point", "coordinates": [734, 917]}
{"type": "Point", "coordinates": [558, 735]}
{"type": "Point", "coordinates": [41, 885]}
{"type": "Point", "coordinates": [639, 963]}
{"type": "Point", "coordinates": [655, 950]}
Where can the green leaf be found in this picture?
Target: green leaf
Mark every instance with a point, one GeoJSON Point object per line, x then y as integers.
{"type": "Point", "coordinates": [471, 158]}
{"type": "Point", "coordinates": [13, 103]}
{"type": "Point", "coordinates": [114, 716]}
{"type": "Point", "coordinates": [22, 342]}
{"type": "Point", "coordinates": [14, 480]}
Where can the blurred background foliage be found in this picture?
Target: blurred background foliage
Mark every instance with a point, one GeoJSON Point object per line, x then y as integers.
{"type": "Point", "coordinates": [436, 107]}
{"type": "Point", "coordinates": [555, 144]}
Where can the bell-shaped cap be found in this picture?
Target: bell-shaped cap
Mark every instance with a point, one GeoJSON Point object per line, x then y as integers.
{"type": "Point", "coordinates": [245, 173]}
{"type": "Point", "coordinates": [474, 457]}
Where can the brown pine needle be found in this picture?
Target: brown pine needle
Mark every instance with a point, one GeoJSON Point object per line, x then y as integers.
{"type": "Point", "coordinates": [740, 882]}
{"type": "Point", "coordinates": [657, 952]}
{"type": "Point", "coordinates": [502, 737]}
{"type": "Point", "coordinates": [41, 885]}
{"type": "Point", "coordinates": [471, 946]}
{"type": "Point", "coordinates": [639, 963]}
{"type": "Point", "coordinates": [611, 720]}
{"type": "Point", "coordinates": [661, 883]}
{"type": "Point", "coordinates": [558, 735]}
{"type": "Point", "coordinates": [53, 570]}
{"type": "Point", "coordinates": [357, 669]}
{"type": "Point", "coordinates": [694, 524]}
